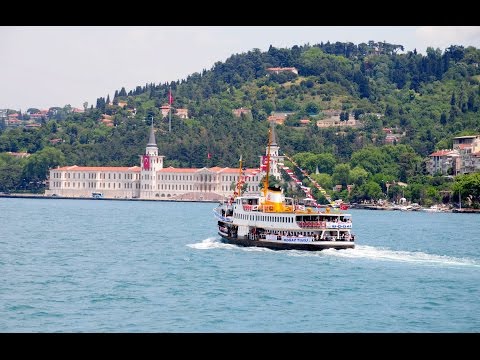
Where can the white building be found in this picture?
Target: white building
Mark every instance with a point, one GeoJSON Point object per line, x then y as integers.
{"type": "Point", "coordinates": [444, 162]}
{"type": "Point", "coordinates": [152, 181]}
{"type": "Point", "coordinates": [464, 158]}
{"type": "Point", "coordinates": [469, 149]}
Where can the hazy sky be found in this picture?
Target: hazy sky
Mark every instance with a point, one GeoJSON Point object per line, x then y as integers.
{"type": "Point", "coordinates": [54, 66]}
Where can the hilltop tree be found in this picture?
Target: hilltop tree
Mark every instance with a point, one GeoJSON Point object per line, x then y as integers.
{"type": "Point", "coordinates": [122, 92]}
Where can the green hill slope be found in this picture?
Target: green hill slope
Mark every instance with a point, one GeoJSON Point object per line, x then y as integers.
{"type": "Point", "coordinates": [351, 102]}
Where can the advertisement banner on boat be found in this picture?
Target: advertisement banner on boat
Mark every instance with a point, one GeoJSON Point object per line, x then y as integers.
{"type": "Point", "coordinates": [289, 239]}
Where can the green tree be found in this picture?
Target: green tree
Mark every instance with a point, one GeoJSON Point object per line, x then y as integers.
{"type": "Point", "coordinates": [358, 176]}
{"type": "Point", "coordinates": [122, 92]}
{"type": "Point", "coordinates": [312, 108]}
{"type": "Point", "coordinates": [341, 174]}
{"type": "Point", "coordinates": [468, 186]}
{"type": "Point", "coordinates": [324, 180]}
{"type": "Point", "coordinates": [10, 173]}
{"type": "Point", "coordinates": [38, 165]}
{"type": "Point", "coordinates": [368, 191]}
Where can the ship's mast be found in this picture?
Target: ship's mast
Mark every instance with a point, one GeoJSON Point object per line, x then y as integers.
{"type": "Point", "coordinates": [265, 182]}
{"type": "Point", "coordinates": [238, 190]}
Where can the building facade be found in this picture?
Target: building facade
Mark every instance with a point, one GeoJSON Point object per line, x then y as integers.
{"type": "Point", "coordinates": [464, 158]}
{"type": "Point", "coordinates": [152, 181]}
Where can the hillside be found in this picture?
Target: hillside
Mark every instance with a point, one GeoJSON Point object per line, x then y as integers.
{"type": "Point", "coordinates": [369, 107]}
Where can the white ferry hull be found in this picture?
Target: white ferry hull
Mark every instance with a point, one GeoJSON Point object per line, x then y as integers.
{"type": "Point", "coordinates": [283, 245]}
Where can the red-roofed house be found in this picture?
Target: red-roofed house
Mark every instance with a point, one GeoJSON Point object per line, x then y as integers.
{"type": "Point", "coordinates": [18, 154]}
{"type": "Point", "coordinates": [277, 70]}
{"type": "Point", "coordinates": [391, 138]}
{"type": "Point", "coordinates": [444, 162]}
{"type": "Point", "coordinates": [13, 122]}
{"type": "Point", "coordinates": [182, 113]}
{"type": "Point", "coordinates": [107, 120]}
{"type": "Point", "coordinates": [33, 126]}
{"type": "Point", "coordinates": [165, 109]}
{"type": "Point", "coordinates": [279, 117]}
{"type": "Point", "coordinates": [238, 112]}
{"type": "Point", "coordinates": [38, 116]}
{"type": "Point", "coordinates": [55, 141]}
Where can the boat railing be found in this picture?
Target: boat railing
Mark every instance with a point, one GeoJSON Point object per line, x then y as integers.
{"type": "Point", "coordinates": [324, 224]}
{"type": "Point", "coordinates": [312, 224]}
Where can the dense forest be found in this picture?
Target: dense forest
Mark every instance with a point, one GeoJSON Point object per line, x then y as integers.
{"type": "Point", "coordinates": [425, 100]}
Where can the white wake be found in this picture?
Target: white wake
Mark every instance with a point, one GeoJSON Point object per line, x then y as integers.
{"type": "Point", "coordinates": [211, 243]}
{"type": "Point", "coordinates": [216, 243]}
{"type": "Point", "coordinates": [359, 252]}
{"type": "Point", "coordinates": [381, 254]}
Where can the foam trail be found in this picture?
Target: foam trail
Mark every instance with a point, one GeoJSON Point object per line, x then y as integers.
{"type": "Point", "coordinates": [208, 243]}
{"type": "Point", "coordinates": [216, 243]}
{"type": "Point", "coordinates": [359, 252]}
{"type": "Point", "coordinates": [381, 254]}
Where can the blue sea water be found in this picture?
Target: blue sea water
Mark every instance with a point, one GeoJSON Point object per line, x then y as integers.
{"type": "Point", "coordinates": [131, 266]}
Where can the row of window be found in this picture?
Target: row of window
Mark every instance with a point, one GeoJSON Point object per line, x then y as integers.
{"type": "Point", "coordinates": [94, 185]}
{"type": "Point", "coordinates": [93, 176]}
{"type": "Point", "coordinates": [269, 218]}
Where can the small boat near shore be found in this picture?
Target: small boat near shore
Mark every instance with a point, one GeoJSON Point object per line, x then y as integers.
{"type": "Point", "coordinates": [277, 222]}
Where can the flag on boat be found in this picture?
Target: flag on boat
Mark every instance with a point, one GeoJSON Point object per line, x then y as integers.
{"type": "Point", "coordinates": [146, 162]}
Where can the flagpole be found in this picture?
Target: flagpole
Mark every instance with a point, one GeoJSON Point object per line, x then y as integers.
{"type": "Point", "coordinates": [170, 111]}
{"type": "Point", "coordinates": [170, 120]}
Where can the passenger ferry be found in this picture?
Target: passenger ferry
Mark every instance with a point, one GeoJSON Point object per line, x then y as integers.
{"type": "Point", "coordinates": [276, 222]}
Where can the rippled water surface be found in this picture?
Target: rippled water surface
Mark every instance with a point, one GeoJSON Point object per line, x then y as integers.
{"type": "Point", "coordinates": [131, 266]}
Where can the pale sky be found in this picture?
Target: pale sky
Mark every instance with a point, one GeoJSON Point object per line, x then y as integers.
{"type": "Point", "coordinates": [41, 67]}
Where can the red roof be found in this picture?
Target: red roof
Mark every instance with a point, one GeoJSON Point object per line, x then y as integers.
{"type": "Point", "coordinates": [99, 168]}
{"type": "Point", "coordinates": [441, 153]}
{"type": "Point", "coordinates": [214, 169]}
{"type": "Point", "coordinates": [177, 170]}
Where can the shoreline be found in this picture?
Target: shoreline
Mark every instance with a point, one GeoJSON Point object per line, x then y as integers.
{"type": "Point", "coordinates": [358, 206]}
{"type": "Point", "coordinates": [387, 208]}
{"type": "Point", "coordinates": [41, 196]}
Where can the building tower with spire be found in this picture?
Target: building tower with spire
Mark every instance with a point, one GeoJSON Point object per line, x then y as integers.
{"type": "Point", "coordinates": [275, 158]}
{"type": "Point", "coordinates": [150, 163]}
